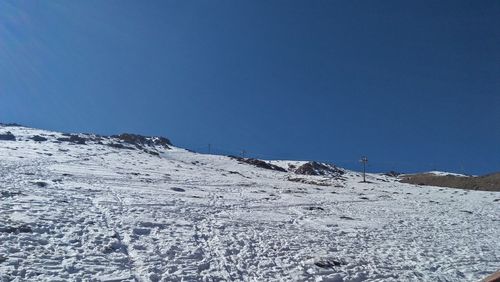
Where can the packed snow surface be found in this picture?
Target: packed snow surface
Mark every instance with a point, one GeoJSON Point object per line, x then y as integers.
{"type": "Point", "coordinates": [92, 212]}
{"type": "Point", "coordinates": [444, 173]}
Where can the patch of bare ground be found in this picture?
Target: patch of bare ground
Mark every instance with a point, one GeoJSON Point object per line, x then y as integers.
{"type": "Point", "coordinates": [489, 182]}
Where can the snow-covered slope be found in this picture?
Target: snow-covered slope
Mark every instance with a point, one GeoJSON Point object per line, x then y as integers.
{"type": "Point", "coordinates": [443, 173]}
{"type": "Point", "coordinates": [101, 212]}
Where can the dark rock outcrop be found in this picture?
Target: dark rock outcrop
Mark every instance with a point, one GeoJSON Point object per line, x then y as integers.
{"type": "Point", "coordinates": [308, 181]}
{"type": "Point", "coordinates": [151, 152]}
{"type": "Point", "coordinates": [73, 139]}
{"type": "Point", "coordinates": [259, 163]}
{"type": "Point", "coordinates": [162, 141]}
{"type": "Point", "coordinates": [120, 146]}
{"type": "Point", "coordinates": [140, 140]}
{"type": "Point", "coordinates": [9, 194]}
{"type": "Point", "coordinates": [314, 208]}
{"type": "Point", "coordinates": [16, 230]}
{"type": "Point", "coordinates": [7, 136]}
{"type": "Point", "coordinates": [38, 138]}
{"type": "Point", "coordinates": [328, 263]}
{"type": "Point", "coordinates": [315, 168]}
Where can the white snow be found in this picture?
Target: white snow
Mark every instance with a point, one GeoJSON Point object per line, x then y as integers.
{"type": "Point", "coordinates": [444, 173]}
{"type": "Point", "coordinates": [108, 214]}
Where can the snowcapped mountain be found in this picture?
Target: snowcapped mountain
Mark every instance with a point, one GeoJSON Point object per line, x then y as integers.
{"type": "Point", "coordinates": [82, 207]}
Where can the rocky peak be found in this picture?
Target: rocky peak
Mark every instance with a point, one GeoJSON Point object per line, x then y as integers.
{"type": "Point", "coordinates": [315, 168]}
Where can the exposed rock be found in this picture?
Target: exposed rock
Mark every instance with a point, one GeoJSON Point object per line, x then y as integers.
{"type": "Point", "coordinates": [131, 138]}
{"type": "Point", "coordinates": [259, 163]}
{"type": "Point", "coordinates": [315, 168]}
{"type": "Point", "coordinates": [7, 136]}
{"type": "Point", "coordinates": [307, 181]}
{"type": "Point", "coordinates": [140, 140]}
{"type": "Point", "coordinates": [9, 194]}
{"type": "Point", "coordinates": [16, 230]}
{"type": "Point", "coordinates": [314, 208]}
{"type": "Point", "coordinates": [120, 146]}
{"type": "Point", "coordinates": [327, 263]}
{"type": "Point", "coordinates": [162, 141]}
{"type": "Point", "coordinates": [235, 172]}
{"type": "Point", "coordinates": [152, 152]}
{"type": "Point", "coordinates": [38, 138]}
{"type": "Point", "coordinates": [178, 189]}
{"type": "Point", "coordinates": [93, 137]}
{"type": "Point", "coordinates": [73, 139]}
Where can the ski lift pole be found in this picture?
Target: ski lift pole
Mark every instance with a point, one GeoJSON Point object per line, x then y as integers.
{"type": "Point", "coordinates": [364, 160]}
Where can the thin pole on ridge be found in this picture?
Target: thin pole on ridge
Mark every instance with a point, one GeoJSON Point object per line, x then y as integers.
{"type": "Point", "coordinates": [364, 160]}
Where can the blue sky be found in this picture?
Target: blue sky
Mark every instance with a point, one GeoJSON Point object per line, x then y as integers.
{"type": "Point", "coordinates": [414, 85]}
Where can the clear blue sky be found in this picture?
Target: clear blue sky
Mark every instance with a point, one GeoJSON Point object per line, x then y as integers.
{"type": "Point", "coordinates": [414, 85]}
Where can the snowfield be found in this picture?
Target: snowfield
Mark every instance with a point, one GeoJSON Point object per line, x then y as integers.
{"type": "Point", "coordinates": [92, 212]}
